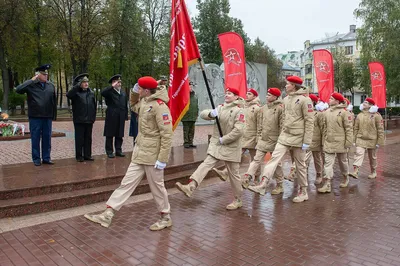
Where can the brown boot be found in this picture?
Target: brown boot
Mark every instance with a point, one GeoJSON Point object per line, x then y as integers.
{"type": "Point", "coordinates": [302, 196]}
{"type": "Point", "coordinates": [246, 181]}
{"type": "Point", "coordinates": [278, 190]}
{"type": "Point", "coordinates": [187, 189]}
{"type": "Point", "coordinates": [355, 172]}
{"type": "Point", "coordinates": [326, 188]}
{"type": "Point", "coordinates": [345, 181]}
{"type": "Point", "coordinates": [262, 187]}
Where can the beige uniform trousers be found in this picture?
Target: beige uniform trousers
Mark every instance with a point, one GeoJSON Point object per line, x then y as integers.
{"type": "Point", "coordinates": [255, 166]}
{"type": "Point", "coordinates": [299, 158]}
{"type": "Point", "coordinates": [318, 161]}
{"type": "Point", "coordinates": [351, 153]}
{"type": "Point", "coordinates": [252, 153]}
{"type": "Point", "coordinates": [330, 161]}
{"type": "Point", "coordinates": [233, 173]}
{"type": "Point", "coordinates": [131, 180]}
{"type": "Point", "coordinates": [359, 157]}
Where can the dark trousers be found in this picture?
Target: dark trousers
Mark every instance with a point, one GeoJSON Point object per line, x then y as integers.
{"type": "Point", "coordinates": [83, 140]}
{"type": "Point", "coordinates": [40, 128]}
{"type": "Point", "coordinates": [117, 145]}
{"type": "Point", "coordinates": [188, 132]}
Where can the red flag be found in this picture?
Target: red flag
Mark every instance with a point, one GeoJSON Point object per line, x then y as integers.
{"type": "Point", "coordinates": [378, 83]}
{"type": "Point", "coordinates": [184, 52]}
{"type": "Point", "coordinates": [234, 61]}
{"type": "Point", "coordinates": [324, 71]}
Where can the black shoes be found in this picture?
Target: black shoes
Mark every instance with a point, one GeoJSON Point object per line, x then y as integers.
{"type": "Point", "coordinates": [111, 155]}
{"type": "Point", "coordinates": [120, 154]}
{"type": "Point", "coordinates": [37, 163]}
{"type": "Point", "coordinates": [47, 162]}
{"type": "Point", "coordinates": [89, 158]}
{"type": "Point", "coordinates": [79, 160]}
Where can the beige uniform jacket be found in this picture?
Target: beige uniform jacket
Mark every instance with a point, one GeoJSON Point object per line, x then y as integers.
{"type": "Point", "coordinates": [155, 129]}
{"type": "Point", "coordinates": [298, 121]}
{"type": "Point", "coordinates": [232, 120]}
{"type": "Point", "coordinates": [270, 125]}
{"type": "Point", "coordinates": [368, 130]}
{"type": "Point", "coordinates": [337, 129]}
{"type": "Point", "coordinates": [251, 111]}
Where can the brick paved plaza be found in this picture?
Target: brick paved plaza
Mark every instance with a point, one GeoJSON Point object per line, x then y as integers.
{"type": "Point", "coordinates": [359, 225]}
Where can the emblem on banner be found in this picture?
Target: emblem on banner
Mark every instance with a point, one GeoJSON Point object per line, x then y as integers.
{"type": "Point", "coordinates": [376, 76]}
{"type": "Point", "coordinates": [323, 67]}
{"type": "Point", "coordinates": [233, 56]}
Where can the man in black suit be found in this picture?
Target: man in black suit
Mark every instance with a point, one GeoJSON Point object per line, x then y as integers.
{"type": "Point", "coordinates": [84, 114]}
{"type": "Point", "coordinates": [116, 114]}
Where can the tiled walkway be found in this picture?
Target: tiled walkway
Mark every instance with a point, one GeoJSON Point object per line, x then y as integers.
{"type": "Point", "coordinates": [359, 225]}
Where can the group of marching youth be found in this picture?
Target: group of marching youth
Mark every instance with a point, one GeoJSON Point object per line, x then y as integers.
{"type": "Point", "coordinates": [300, 123]}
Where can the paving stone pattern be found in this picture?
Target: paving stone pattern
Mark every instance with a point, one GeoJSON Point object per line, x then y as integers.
{"type": "Point", "coordinates": [359, 225]}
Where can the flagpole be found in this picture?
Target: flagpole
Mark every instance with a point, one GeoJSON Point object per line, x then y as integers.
{"type": "Point", "coordinates": [210, 95]}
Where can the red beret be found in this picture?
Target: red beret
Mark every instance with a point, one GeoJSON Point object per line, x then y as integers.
{"type": "Point", "coordinates": [274, 91]}
{"type": "Point", "coordinates": [338, 96]}
{"type": "Point", "coordinates": [347, 101]}
{"type": "Point", "coordinates": [233, 90]}
{"type": "Point", "coordinates": [255, 93]}
{"type": "Point", "coordinates": [370, 100]}
{"type": "Point", "coordinates": [148, 83]}
{"type": "Point", "coordinates": [295, 80]}
{"type": "Point", "coordinates": [313, 97]}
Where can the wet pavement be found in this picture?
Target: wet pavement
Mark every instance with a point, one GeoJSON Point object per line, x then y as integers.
{"type": "Point", "coordinates": [359, 225]}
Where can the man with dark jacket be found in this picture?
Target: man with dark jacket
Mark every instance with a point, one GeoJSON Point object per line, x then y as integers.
{"type": "Point", "coordinates": [116, 114]}
{"type": "Point", "coordinates": [84, 115]}
{"type": "Point", "coordinates": [190, 118]}
{"type": "Point", "coordinates": [41, 111]}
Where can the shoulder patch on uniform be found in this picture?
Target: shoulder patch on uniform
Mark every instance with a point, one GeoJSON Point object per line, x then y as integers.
{"type": "Point", "coordinates": [160, 102]}
{"type": "Point", "coordinates": [165, 116]}
{"type": "Point", "coordinates": [241, 118]}
{"type": "Point", "coordinates": [310, 107]}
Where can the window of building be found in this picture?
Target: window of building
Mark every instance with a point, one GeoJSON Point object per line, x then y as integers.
{"type": "Point", "coordinates": [350, 97]}
{"type": "Point", "coordinates": [308, 69]}
{"type": "Point", "coordinates": [348, 50]}
{"type": "Point", "coordinates": [363, 97]}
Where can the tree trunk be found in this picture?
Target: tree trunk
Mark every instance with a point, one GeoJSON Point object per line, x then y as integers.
{"type": "Point", "coordinates": [38, 34]}
{"type": "Point", "coordinates": [5, 76]}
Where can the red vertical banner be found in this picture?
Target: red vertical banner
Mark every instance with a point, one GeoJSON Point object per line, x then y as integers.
{"type": "Point", "coordinates": [234, 61]}
{"type": "Point", "coordinates": [378, 83]}
{"type": "Point", "coordinates": [324, 72]}
{"type": "Point", "coordinates": [184, 52]}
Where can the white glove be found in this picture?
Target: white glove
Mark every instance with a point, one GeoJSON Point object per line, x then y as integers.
{"type": "Point", "coordinates": [214, 112]}
{"type": "Point", "coordinates": [350, 107]}
{"type": "Point", "coordinates": [305, 147]}
{"type": "Point", "coordinates": [320, 107]}
{"type": "Point", "coordinates": [160, 165]}
{"type": "Point", "coordinates": [361, 107]}
{"type": "Point", "coordinates": [136, 88]}
{"type": "Point", "coordinates": [220, 140]}
{"type": "Point", "coordinates": [377, 146]}
{"type": "Point", "coordinates": [373, 109]}
{"type": "Point", "coordinates": [354, 144]}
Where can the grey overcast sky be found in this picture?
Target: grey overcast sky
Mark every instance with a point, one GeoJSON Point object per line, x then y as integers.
{"type": "Point", "coordinates": [284, 25]}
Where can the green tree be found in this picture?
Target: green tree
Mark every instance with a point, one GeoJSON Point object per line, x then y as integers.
{"type": "Point", "coordinates": [259, 52]}
{"type": "Point", "coordinates": [213, 19]}
{"type": "Point", "coordinates": [346, 72]}
{"type": "Point", "coordinates": [379, 38]}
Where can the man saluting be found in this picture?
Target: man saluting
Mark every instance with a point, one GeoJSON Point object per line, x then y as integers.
{"type": "Point", "coordinates": [41, 111]}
